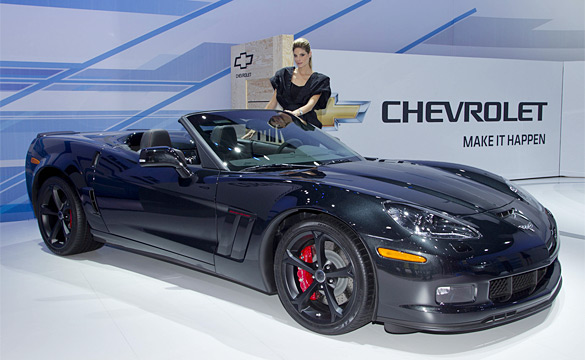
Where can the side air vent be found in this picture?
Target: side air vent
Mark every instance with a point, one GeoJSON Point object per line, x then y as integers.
{"type": "Point", "coordinates": [93, 201]}
{"type": "Point", "coordinates": [506, 213]}
{"type": "Point", "coordinates": [96, 159]}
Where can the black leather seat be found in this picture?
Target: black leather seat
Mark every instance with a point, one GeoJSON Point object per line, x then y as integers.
{"type": "Point", "coordinates": [226, 142]}
{"type": "Point", "coordinates": [155, 137]}
{"type": "Point", "coordinates": [224, 136]}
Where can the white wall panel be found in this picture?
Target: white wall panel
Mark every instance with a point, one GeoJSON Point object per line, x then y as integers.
{"type": "Point", "coordinates": [497, 140]}
{"type": "Point", "coordinates": [573, 125]}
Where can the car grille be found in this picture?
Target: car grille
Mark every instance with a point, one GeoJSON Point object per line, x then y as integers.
{"type": "Point", "coordinates": [515, 287]}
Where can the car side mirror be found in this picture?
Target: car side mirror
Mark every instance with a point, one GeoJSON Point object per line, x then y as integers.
{"type": "Point", "coordinates": [164, 156]}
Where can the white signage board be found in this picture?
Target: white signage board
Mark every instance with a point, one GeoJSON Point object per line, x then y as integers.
{"type": "Point", "coordinates": [500, 115]}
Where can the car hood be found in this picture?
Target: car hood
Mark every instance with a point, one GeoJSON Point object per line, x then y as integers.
{"type": "Point", "coordinates": [450, 189]}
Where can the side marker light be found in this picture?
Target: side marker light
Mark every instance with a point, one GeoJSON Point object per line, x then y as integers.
{"type": "Point", "coordinates": [399, 255]}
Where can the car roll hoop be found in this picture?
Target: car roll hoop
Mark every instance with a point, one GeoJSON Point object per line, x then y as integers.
{"type": "Point", "coordinates": [163, 156]}
{"type": "Point", "coordinates": [156, 151]}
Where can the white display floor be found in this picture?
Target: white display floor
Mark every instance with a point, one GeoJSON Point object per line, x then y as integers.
{"type": "Point", "coordinates": [113, 304]}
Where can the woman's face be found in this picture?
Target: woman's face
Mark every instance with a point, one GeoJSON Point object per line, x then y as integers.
{"type": "Point", "coordinates": [301, 57]}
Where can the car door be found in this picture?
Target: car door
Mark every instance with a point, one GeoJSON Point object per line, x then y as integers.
{"type": "Point", "coordinates": [154, 206]}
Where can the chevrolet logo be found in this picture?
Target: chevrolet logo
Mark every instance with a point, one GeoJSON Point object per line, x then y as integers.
{"type": "Point", "coordinates": [243, 60]}
{"type": "Point", "coordinates": [342, 112]}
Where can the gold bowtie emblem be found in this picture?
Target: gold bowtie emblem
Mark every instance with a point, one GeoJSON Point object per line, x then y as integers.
{"type": "Point", "coordinates": [334, 112]}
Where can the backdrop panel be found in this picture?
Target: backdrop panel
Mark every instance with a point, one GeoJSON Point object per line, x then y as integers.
{"type": "Point", "coordinates": [500, 115]}
{"type": "Point", "coordinates": [91, 65]}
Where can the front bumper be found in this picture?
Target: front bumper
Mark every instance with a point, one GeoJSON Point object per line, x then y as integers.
{"type": "Point", "coordinates": [469, 317]}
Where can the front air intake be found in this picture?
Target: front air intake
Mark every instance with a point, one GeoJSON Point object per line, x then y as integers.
{"type": "Point", "coordinates": [512, 288]}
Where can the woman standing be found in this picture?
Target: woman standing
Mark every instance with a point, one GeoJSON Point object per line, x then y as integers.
{"type": "Point", "coordinates": [300, 90]}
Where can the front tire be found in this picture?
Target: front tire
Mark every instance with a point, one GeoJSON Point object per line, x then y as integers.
{"type": "Point", "coordinates": [324, 276]}
{"type": "Point", "coordinates": [61, 219]}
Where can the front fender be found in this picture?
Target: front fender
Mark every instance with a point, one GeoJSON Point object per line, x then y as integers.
{"type": "Point", "coordinates": [68, 159]}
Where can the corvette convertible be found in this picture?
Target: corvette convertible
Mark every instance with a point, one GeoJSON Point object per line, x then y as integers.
{"type": "Point", "coordinates": [264, 199]}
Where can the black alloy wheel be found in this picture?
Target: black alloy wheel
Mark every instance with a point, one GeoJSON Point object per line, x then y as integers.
{"type": "Point", "coordinates": [324, 276]}
{"type": "Point", "coordinates": [61, 219]}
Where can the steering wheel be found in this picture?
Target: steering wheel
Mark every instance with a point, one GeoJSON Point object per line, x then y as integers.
{"type": "Point", "coordinates": [294, 143]}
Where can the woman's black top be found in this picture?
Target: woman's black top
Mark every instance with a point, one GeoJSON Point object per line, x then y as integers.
{"type": "Point", "coordinates": [292, 99]}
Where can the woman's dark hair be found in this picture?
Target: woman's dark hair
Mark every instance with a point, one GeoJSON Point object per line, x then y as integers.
{"type": "Point", "coordinates": [303, 44]}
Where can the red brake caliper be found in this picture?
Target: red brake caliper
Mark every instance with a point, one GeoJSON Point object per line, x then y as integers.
{"type": "Point", "coordinates": [305, 277]}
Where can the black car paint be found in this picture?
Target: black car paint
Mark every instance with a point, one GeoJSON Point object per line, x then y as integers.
{"type": "Point", "coordinates": [227, 222]}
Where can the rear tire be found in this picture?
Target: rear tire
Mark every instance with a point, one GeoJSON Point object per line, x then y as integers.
{"type": "Point", "coordinates": [61, 219]}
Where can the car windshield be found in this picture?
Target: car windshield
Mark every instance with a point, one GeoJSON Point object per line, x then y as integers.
{"type": "Point", "coordinates": [252, 140]}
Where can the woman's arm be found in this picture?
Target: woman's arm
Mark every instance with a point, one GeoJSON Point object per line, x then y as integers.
{"type": "Point", "coordinates": [308, 106]}
{"type": "Point", "coordinates": [272, 103]}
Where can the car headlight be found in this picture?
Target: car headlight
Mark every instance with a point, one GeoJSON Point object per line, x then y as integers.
{"type": "Point", "coordinates": [430, 224]}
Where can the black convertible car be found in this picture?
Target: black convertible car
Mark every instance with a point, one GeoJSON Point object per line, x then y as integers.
{"type": "Point", "coordinates": [264, 199]}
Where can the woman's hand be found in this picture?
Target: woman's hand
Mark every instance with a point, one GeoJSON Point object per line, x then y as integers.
{"type": "Point", "coordinates": [308, 106]}
{"type": "Point", "coordinates": [293, 112]}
